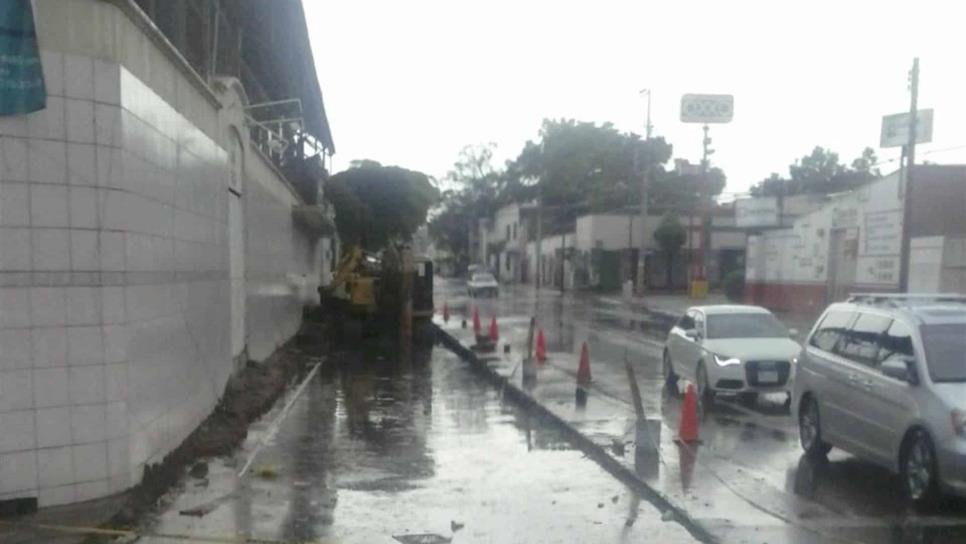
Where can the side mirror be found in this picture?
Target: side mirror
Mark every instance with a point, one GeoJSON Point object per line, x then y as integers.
{"type": "Point", "coordinates": [901, 369]}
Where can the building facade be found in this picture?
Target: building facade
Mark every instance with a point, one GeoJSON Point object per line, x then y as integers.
{"type": "Point", "coordinates": [853, 243]}
{"type": "Point", "coordinates": [155, 234]}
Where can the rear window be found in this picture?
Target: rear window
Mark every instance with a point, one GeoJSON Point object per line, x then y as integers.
{"type": "Point", "coordinates": [945, 351]}
{"type": "Point", "coordinates": [745, 326]}
{"type": "Point", "coordinates": [831, 329]}
{"type": "Point", "coordinates": [483, 277]}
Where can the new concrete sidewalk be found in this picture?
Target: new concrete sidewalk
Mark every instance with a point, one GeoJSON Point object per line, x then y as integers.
{"type": "Point", "coordinates": [697, 481]}
{"type": "Point", "coordinates": [741, 483]}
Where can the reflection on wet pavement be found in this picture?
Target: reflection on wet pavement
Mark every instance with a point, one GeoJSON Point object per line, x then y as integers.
{"type": "Point", "coordinates": [374, 449]}
{"type": "Point", "coordinates": [747, 481]}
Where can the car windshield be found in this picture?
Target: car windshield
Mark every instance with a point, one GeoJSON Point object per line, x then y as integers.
{"type": "Point", "coordinates": [945, 351]}
{"type": "Point", "coordinates": [745, 326]}
{"type": "Point", "coordinates": [479, 278]}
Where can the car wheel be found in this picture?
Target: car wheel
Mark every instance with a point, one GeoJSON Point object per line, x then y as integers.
{"type": "Point", "coordinates": [810, 429]}
{"type": "Point", "coordinates": [705, 393]}
{"type": "Point", "coordinates": [920, 477]}
{"type": "Point", "coordinates": [670, 378]}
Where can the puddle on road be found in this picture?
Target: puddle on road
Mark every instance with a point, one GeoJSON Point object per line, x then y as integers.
{"type": "Point", "coordinates": [375, 450]}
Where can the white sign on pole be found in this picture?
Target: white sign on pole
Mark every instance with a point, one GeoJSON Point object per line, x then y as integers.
{"type": "Point", "coordinates": [756, 212]}
{"type": "Point", "coordinates": [895, 129]}
{"type": "Point", "coordinates": [883, 232]}
{"type": "Point", "coordinates": [707, 108]}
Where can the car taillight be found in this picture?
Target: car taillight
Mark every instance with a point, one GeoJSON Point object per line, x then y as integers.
{"type": "Point", "coordinates": [959, 422]}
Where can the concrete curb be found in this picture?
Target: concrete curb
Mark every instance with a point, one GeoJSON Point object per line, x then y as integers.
{"type": "Point", "coordinates": [585, 444]}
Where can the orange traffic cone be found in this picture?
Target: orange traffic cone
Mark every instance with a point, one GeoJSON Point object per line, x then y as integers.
{"type": "Point", "coordinates": [583, 371]}
{"type": "Point", "coordinates": [476, 322]}
{"type": "Point", "coordinates": [541, 347]}
{"type": "Point", "coordinates": [445, 313]}
{"type": "Point", "coordinates": [494, 330]}
{"type": "Point", "coordinates": [688, 429]}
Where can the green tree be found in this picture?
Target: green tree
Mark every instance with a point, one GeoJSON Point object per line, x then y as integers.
{"type": "Point", "coordinates": [670, 236]}
{"type": "Point", "coordinates": [685, 191]}
{"type": "Point", "coordinates": [820, 172]}
{"type": "Point", "coordinates": [477, 193]}
{"type": "Point", "coordinates": [582, 167]}
{"type": "Point", "coordinates": [376, 204]}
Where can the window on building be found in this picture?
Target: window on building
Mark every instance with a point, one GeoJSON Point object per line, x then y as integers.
{"type": "Point", "coordinates": [508, 233]}
{"type": "Point", "coordinates": [514, 231]}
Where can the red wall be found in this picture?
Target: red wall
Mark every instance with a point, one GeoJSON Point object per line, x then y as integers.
{"type": "Point", "coordinates": [799, 298]}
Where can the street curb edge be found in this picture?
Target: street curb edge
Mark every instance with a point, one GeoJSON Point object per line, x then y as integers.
{"type": "Point", "coordinates": [588, 446]}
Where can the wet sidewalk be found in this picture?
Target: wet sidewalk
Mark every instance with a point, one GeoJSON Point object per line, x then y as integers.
{"type": "Point", "coordinates": [746, 482]}
{"type": "Point", "coordinates": [373, 451]}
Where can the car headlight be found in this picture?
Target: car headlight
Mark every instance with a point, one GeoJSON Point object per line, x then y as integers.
{"type": "Point", "coordinates": [959, 421]}
{"type": "Point", "coordinates": [726, 361]}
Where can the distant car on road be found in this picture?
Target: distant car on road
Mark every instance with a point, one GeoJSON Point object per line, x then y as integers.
{"type": "Point", "coordinates": [483, 284]}
{"type": "Point", "coordinates": [884, 378]}
{"type": "Point", "coordinates": [734, 349]}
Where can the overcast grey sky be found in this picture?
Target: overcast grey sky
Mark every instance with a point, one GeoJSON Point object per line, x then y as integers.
{"type": "Point", "coordinates": [411, 83]}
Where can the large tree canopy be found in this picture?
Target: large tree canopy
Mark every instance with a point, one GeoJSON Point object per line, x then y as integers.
{"type": "Point", "coordinates": [376, 204]}
{"type": "Point", "coordinates": [820, 172]}
{"type": "Point", "coordinates": [585, 167]}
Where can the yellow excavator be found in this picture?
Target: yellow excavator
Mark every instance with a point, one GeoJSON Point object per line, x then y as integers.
{"type": "Point", "coordinates": [354, 283]}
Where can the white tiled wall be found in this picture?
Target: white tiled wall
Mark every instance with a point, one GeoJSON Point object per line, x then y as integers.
{"type": "Point", "coordinates": [114, 284]}
{"type": "Point", "coordinates": [274, 254]}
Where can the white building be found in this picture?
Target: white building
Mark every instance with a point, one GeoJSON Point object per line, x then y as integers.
{"type": "Point", "coordinates": [852, 243]}
{"type": "Point", "coordinates": [607, 246]}
{"type": "Point", "coordinates": [150, 242]}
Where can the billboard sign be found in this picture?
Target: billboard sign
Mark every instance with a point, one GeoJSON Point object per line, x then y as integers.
{"type": "Point", "coordinates": [895, 129]}
{"type": "Point", "coordinates": [22, 87]}
{"type": "Point", "coordinates": [756, 212]}
{"type": "Point", "coordinates": [707, 108]}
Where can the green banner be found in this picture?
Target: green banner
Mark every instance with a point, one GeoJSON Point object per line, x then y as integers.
{"type": "Point", "coordinates": [21, 75]}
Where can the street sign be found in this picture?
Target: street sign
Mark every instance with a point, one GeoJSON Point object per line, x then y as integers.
{"type": "Point", "coordinates": [756, 212]}
{"type": "Point", "coordinates": [895, 129]}
{"type": "Point", "coordinates": [707, 108]}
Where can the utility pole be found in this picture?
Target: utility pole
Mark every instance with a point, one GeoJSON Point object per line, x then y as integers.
{"type": "Point", "coordinates": [910, 153]}
{"type": "Point", "coordinates": [642, 249]}
{"type": "Point", "coordinates": [539, 238]}
{"type": "Point", "coordinates": [706, 227]}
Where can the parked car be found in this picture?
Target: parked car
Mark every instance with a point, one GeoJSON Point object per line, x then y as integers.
{"type": "Point", "coordinates": [483, 283]}
{"type": "Point", "coordinates": [884, 378]}
{"type": "Point", "coordinates": [734, 349]}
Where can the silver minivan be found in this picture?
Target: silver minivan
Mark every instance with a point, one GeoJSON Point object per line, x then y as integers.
{"type": "Point", "coordinates": [883, 376]}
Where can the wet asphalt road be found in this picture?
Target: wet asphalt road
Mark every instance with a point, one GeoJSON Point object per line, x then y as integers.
{"type": "Point", "coordinates": [375, 450]}
{"type": "Point", "coordinates": [751, 457]}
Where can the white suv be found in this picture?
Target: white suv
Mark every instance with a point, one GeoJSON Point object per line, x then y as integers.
{"type": "Point", "coordinates": [884, 378]}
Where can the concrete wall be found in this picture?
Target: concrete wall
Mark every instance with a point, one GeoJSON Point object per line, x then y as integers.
{"type": "Point", "coordinates": [788, 268]}
{"type": "Point", "coordinates": [114, 270]}
{"type": "Point", "coordinates": [281, 264]}
{"type": "Point", "coordinates": [938, 264]}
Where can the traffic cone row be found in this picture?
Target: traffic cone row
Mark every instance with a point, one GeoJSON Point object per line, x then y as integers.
{"type": "Point", "coordinates": [494, 330]}
{"type": "Point", "coordinates": [476, 322]}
